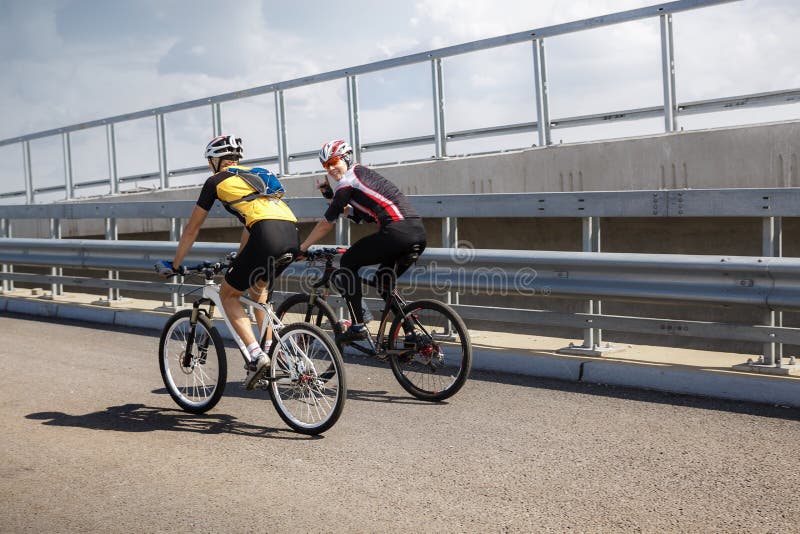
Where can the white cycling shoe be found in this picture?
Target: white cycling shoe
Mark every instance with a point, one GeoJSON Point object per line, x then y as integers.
{"type": "Point", "coordinates": [256, 370]}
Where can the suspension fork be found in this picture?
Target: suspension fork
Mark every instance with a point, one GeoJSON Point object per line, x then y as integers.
{"type": "Point", "coordinates": [196, 310]}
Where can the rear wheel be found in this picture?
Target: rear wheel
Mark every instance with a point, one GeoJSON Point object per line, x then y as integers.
{"type": "Point", "coordinates": [431, 352]}
{"type": "Point", "coordinates": [195, 383]}
{"type": "Point", "coordinates": [307, 380]}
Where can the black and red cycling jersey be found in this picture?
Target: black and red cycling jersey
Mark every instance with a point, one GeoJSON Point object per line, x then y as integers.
{"type": "Point", "coordinates": [372, 195]}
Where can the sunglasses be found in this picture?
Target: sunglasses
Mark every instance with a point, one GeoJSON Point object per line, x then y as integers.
{"type": "Point", "coordinates": [332, 161]}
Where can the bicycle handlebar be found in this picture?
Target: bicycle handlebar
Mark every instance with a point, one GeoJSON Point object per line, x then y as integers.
{"type": "Point", "coordinates": [215, 267]}
{"type": "Point", "coordinates": [208, 268]}
{"type": "Point", "coordinates": [325, 253]}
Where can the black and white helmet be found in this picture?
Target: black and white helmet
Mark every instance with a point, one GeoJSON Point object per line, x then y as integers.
{"type": "Point", "coordinates": [226, 147]}
{"type": "Point", "coordinates": [338, 148]}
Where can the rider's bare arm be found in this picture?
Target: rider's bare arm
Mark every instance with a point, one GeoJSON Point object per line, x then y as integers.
{"type": "Point", "coordinates": [189, 235]}
{"type": "Point", "coordinates": [320, 230]}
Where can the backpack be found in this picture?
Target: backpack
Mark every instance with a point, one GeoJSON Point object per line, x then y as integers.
{"type": "Point", "coordinates": [264, 184]}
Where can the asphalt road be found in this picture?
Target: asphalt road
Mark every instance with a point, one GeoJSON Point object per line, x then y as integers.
{"type": "Point", "coordinates": [91, 441]}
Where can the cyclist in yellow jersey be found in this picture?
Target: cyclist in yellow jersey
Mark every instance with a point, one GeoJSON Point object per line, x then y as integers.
{"type": "Point", "coordinates": [270, 230]}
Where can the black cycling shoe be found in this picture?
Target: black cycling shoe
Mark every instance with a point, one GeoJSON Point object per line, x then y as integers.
{"type": "Point", "coordinates": [356, 332]}
{"type": "Point", "coordinates": [329, 373]}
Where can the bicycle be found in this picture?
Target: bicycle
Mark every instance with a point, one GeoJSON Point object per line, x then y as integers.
{"type": "Point", "coordinates": [193, 364]}
{"type": "Point", "coordinates": [431, 359]}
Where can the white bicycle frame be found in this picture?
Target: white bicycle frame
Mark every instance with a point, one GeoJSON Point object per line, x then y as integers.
{"type": "Point", "coordinates": [211, 292]}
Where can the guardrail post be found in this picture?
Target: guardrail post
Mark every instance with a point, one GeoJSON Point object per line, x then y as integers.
{"type": "Point", "coordinates": [450, 240]}
{"type": "Point", "coordinates": [772, 246]}
{"type": "Point", "coordinates": [216, 119]}
{"type": "Point", "coordinates": [438, 108]}
{"type": "Point", "coordinates": [343, 238]}
{"type": "Point", "coordinates": [162, 152]}
{"type": "Point", "coordinates": [68, 180]}
{"type": "Point", "coordinates": [352, 108]}
{"type": "Point", "coordinates": [5, 231]}
{"type": "Point", "coordinates": [112, 234]}
{"type": "Point", "coordinates": [771, 360]}
{"type": "Point", "coordinates": [592, 337]}
{"type": "Point", "coordinates": [343, 231]}
{"type": "Point", "coordinates": [280, 124]}
{"type": "Point", "coordinates": [668, 74]}
{"type": "Point", "coordinates": [113, 177]}
{"type": "Point", "coordinates": [55, 233]}
{"type": "Point", "coordinates": [26, 164]}
{"type": "Point", "coordinates": [175, 231]}
{"type": "Point", "coordinates": [542, 96]}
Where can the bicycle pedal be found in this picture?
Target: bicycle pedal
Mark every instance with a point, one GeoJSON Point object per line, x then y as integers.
{"type": "Point", "coordinates": [263, 383]}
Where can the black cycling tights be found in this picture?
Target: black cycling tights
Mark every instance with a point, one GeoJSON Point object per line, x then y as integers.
{"type": "Point", "coordinates": [383, 248]}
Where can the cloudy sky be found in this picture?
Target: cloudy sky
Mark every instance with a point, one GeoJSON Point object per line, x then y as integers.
{"type": "Point", "coordinates": [70, 61]}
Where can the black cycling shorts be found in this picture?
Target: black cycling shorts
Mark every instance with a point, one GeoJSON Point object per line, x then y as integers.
{"type": "Point", "coordinates": [268, 240]}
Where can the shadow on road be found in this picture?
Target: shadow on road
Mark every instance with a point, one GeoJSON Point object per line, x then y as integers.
{"type": "Point", "coordinates": [141, 418]}
{"type": "Point", "coordinates": [236, 390]}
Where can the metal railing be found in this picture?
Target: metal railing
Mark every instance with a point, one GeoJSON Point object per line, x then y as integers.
{"type": "Point", "coordinates": [670, 110]}
{"type": "Point", "coordinates": [766, 282]}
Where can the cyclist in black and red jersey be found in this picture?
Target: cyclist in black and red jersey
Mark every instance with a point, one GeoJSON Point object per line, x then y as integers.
{"type": "Point", "coordinates": [372, 198]}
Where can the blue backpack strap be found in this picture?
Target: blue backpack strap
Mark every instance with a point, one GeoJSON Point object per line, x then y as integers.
{"type": "Point", "coordinates": [264, 184]}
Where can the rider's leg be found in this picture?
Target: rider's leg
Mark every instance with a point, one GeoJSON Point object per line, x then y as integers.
{"type": "Point", "coordinates": [258, 363]}
{"type": "Point", "coordinates": [406, 236]}
{"type": "Point", "coordinates": [366, 251]}
{"type": "Point", "coordinates": [259, 293]}
{"type": "Point", "coordinates": [251, 268]}
{"type": "Point", "coordinates": [236, 314]}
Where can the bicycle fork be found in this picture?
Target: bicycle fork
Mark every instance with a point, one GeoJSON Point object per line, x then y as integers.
{"type": "Point", "coordinates": [202, 340]}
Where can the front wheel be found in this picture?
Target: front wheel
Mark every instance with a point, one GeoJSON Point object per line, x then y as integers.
{"type": "Point", "coordinates": [194, 382]}
{"type": "Point", "coordinates": [431, 352]}
{"type": "Point", "coordinates": [307, 380]}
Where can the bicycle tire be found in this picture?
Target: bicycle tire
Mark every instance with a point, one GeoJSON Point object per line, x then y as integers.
{"type": "Point", "coordinates": [427, 371]}
{"type": "Point", "coordinates": [296, 309]}
{"type": "Point", "coordinates": [199, 387]}
{"type": "Point", "coordinates": [313, 402]}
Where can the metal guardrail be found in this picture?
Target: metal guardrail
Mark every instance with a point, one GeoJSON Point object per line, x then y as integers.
{"type": "Point", "coordinates": [670, 110]}
{"type": "Point", "coordinates": [766, 283]}
{"type": "Point", "coordinates": [768, 205]}
{"type": "Point", "coordinates": [723, 280]}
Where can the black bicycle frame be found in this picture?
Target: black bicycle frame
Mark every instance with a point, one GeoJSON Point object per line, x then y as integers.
{"type": "Point", "coordinates": [393, 298]}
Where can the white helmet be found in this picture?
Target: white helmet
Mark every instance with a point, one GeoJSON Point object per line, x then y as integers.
{"type": "Point", "coordinates": [225, 146]}
{"type": "Point", "coordinates": [336, 148]}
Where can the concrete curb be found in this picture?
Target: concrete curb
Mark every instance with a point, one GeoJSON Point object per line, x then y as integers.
{"type": "Point", "coordinates": [706, 383]}
{"type": "Point", "coordinates": [680, 380]}
{"type": "Point", "coordinates": [542, 366]}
